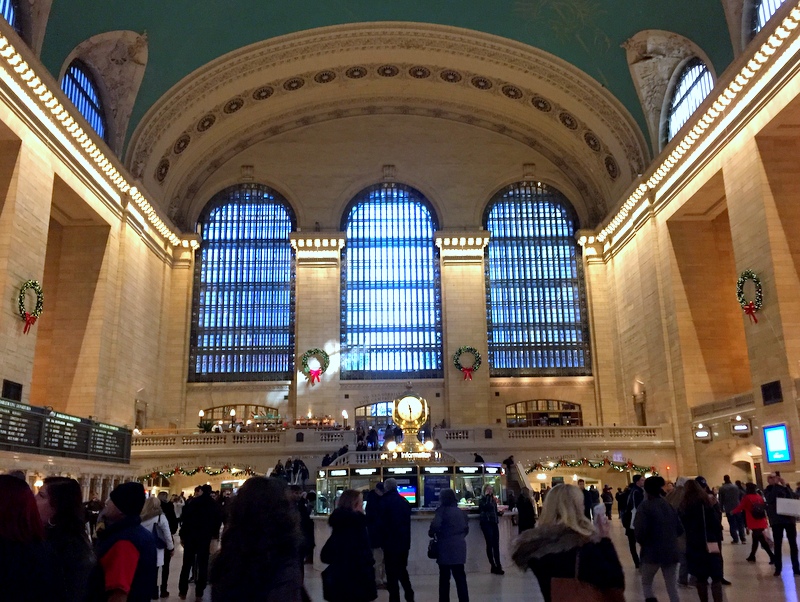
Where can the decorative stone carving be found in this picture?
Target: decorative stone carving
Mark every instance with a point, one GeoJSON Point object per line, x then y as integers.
{"type": "Point", "coordinates": [118, 59]}
{"type": "Point", "coordinates": [739, 31]}
{"type": "Point", "coordinates": [653, 56]}
{"type": "Point", "coordinates": [36, 14]}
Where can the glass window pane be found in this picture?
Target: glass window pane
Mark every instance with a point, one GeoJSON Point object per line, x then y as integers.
{"type": "Point", "coordinates": [243, 309]}
{"type": "Point", "coordinates": [9, 10]}
{"type": "Point", "coordinates": [79, 87]}
{"type": "Point", "coordinates": [694, 84]}
{"type": "Point", "coordinates": [764, 9]}
{"type": "Point", "coordinates": [536, 307]}
{"type": "Point", "coordinates": [391, 309]}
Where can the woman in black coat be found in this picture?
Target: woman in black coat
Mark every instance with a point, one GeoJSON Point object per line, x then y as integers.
{"type": "Point", "coordinates": [350, 576]}
{"type": "Point", "coordinates": [702, 520]}
{"type": "Point", "coordinates": [450, 527]}
{"type": "Point", "coordinates": [526, 515]}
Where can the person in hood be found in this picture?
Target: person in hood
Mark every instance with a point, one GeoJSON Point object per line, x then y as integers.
{"type": "Point", "coordinates": [564, 537]}
{"type": "Point", "coordinates": [350, 576]}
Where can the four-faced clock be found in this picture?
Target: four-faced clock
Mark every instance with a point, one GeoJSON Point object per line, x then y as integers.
{"type": "Point", "coordinates": [410, 411]}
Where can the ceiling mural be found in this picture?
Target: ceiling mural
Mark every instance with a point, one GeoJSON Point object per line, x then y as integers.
{"type": "Point", "coordinates": [184, 35]}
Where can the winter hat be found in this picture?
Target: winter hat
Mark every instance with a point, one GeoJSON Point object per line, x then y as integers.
{"type": "Point", "coordinates": [129, 498]}
{"type": "Point", "coordinates": [653, 485]}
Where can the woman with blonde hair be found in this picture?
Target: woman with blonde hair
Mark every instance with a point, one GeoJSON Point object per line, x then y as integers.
{"type": "Point", "coordinates": [564, 541]}
{"type": "Point", "coordinates": [155, 522]}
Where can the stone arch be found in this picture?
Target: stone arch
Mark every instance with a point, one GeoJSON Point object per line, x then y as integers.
{"type": "Point", "coordinates": [117, 60]}
{"type": "Point", "coordinates": [655, 58]}
{"type": "Point", "coordinates": [300, 80]}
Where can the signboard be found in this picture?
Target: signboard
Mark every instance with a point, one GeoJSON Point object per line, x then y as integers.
{"type": "Point", "coordinates": [433, 485]}
{"type": "Point", "coordinates": [469, 470]}
{"type": "Point", "coordinates": [437, 470]}
{"type": "Point", "coordinates": [341, 472]}
{"type": "Point", "coordinates": [776, 439]}
{"type": "Point", "coordinates": [394, 471]}
{"type": "Point", "coordinates": [364, 472]}
{"type": "Point", "coordinates": [43, 431]}
{"type": "Point", "coordinates": [495, 469]}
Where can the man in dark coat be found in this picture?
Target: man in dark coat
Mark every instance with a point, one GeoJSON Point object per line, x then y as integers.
{"type": "Point", "coordinates": [126, 551]}
{"type": "Point", "coordinates": [395, 521]}
{"type": "Point", "coordinates": [306, 525]}
{"type": "Point", "coordinates": [169, 513]}
{"type": "Point", "coordinates": [374, 528]}
{"type": "Point", "coordinates": [781, 524]}
{"type": "Point", "coordinates": [201, 523]}
{"type": "Point", "coordinates": [587, 499]}
{"type": "Point", "coordinates": [635, 498]}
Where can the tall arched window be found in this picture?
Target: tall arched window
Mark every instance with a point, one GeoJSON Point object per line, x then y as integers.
{"type": "Point", "coordinates": [536, 298]}
{"type": "Point", "coordinates": [81, 89]}
{"type": "Point", "coordinates": [763, 11]}
{"type": "Point", "coordinates": [243, 306]}
{"type": "Point", "coordinates": [9, 9]}
{"type": "Point", "coordinates": [391, 307]}
{"type": "Point", "coordinates": [693, 85]}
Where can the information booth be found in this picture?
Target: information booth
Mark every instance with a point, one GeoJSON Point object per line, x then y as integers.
{"type": "Point", "coordinates": [420, 478]}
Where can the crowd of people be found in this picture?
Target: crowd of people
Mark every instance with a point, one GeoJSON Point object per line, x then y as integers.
{"type": "Point", "coordinates": [115, 551]}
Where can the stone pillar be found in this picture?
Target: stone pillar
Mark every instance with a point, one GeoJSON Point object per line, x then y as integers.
{"type": "Point", "coordinates": [464, 324]}
{"type": "Point", "coordinates": [317, 290]}
{"type": "Point", "coordinates": [761, 185]}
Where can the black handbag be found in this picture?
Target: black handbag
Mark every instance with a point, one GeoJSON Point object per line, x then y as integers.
{"type": "Point", "coordinates": [433, 548]}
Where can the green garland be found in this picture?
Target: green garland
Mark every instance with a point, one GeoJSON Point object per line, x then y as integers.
{"type": "Point", "coordinates": [586, 463]}
{"type": "Point", "coordinates": [324, 358]}
{"type": "Point", "coordinates": [744, 277]}
{"type": "Point", "coordinates": [190, 472]}
{"type": "Point", "coordinates": [466, 349]}
{"type": "Point", "coordinates": [37, 288]}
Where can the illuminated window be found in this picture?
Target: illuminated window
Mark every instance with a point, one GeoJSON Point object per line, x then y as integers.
{"type": "Point", "coordinates": [536, 306]}
{"type": "Point", "coordinates": [543, 412]}
{"type": "Point", "coordinates": [243, 306]}
{"type": "Point", "coordinates": [10, 11]}
{"type": "Point", "coordinates": [391, 309]}
{"type": "Point", "coordinates": [764, 9]}
{"type": "Point", "coordinates": [694, 84]}
{"type": "Point", "coordinates": [81, 89]}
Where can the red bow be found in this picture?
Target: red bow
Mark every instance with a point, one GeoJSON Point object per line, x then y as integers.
{"type": "Point", "coordinates": [467, 373]}
{"type": "Point", "coordinates": [314, 375]}
{"type": "Point", "coordinates": [30, 320]}
{"type": "Point", "coordinates": [750, 310]}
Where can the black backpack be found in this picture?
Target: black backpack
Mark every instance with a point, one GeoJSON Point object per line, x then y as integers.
{"type": "Point", "coordinates": [758, 511]}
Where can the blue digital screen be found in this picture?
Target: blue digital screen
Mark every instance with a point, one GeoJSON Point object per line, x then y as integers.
{"type": "Point", "coordinates": [409, 492]}
{"type": "Point", "coordinates": [776, 439]}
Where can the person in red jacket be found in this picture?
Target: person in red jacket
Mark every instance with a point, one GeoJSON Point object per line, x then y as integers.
{"type": "Point", "coordinates": [755, 512]}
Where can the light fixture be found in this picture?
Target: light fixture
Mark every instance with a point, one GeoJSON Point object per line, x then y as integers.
{"type": "Point", "coordinates": [38, 482]}
{"type": "Point", "coordinates": [309, 414]}
{"type": "Point", "coordinates": [738, 418]}
{"type": "Point", "coordinates": [429, 445]}
{"type": "Point", "coordinates": [541, 476]}
{"type": "Point", "coordinates": [391, 446]}
{"type": "Point", "coordinates": [233, 412]}
{"type": "Point", "coordinates": [344, 414]}
{"type": "Point", "coordinates": [201, 413]}
{"type": "Point", "coordinates": [700, 425]}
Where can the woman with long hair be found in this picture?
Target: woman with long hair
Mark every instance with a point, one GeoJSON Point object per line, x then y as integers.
{"type": "Point", "coordinates": [564, 539]}
{"type": "Point", "coordinates": [350, 576]}
{"type": "Point", "coordinates": [450, 527]}
{"type": "Point", "coordinates": [702, 521]}
{"type": "Point", "coordinates": [155, 521]}
{"type": "Point", "coordinates": [60, 503]}
{"type": "Point", "coordinates": [262, 538]}
{"type": "Point", "coordinates": [28, 570]}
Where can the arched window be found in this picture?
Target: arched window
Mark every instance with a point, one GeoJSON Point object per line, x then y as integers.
{"type": "Point", "coordinates": [9, 9]}
{"type": "Point", "coordinates": [763, 11]}
{"type": "Point", "coordinates": [693, 85]}
{"type": "Point", "coordinates": [536, 306]}
{"type": "Point", "coordinates": [82, 90]}
{"type": "Point", "coordinates": [391, 308]}
{"type": "Point", "coordinates": [243, 306]}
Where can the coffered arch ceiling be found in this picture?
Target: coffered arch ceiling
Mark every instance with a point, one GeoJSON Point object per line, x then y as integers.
{"type": "Point", "coordinates": [402, 69]}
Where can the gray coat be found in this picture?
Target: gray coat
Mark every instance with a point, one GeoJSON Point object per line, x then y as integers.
{"type": "Point", "coordinates": [657, 527]}
{"type": "Point", "coordinates": [450, 525]}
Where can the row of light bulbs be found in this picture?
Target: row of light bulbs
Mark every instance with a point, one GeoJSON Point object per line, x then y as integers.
{"type": "Point", "coordinates": [84, 141]}
{"type": "Point", "coordinates": [768, 49]}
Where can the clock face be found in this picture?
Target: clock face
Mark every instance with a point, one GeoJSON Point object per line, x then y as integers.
{"type": "Point", "coordinates": [410, 408]}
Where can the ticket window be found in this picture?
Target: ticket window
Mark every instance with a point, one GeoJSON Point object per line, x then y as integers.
{"type": "Point", "coordinates": [469, 489]}
{"type": "Point", "coordinates": [432, 486]}
{"type": "Point", "coordinates": [330, 489]}
{"type": "Point", "coordinates": [496, 481]}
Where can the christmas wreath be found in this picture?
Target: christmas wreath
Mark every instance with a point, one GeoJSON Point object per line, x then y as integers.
{"type": "Point", "coordinates": [30, 317]}
{"type": "Point", "coordinates": [314, 374]}
{"type": "Point", "coordinates": [750, 307]}
{"type": "Point", "coordinates": [475, 364]}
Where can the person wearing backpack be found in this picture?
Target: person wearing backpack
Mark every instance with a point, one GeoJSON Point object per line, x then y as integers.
{"type": "Point", "coordinates": [755, 512]}
{"type": "Point", "coordinates": [155, 521]}
{"type": "Point", "coordinates": [777, 488]}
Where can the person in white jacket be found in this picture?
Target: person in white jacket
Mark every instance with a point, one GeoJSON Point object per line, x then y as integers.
{"type": "Point", "coordinates": [155, 522]}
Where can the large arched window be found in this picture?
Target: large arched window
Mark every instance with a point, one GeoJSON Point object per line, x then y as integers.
{"type": "Point", "coordinates": [536, 297]}
{"type": "Point", "coordinates": [243, 306]}
{"type": "Point", "coordinates": [693, 85]}
{"type": "Point", "coordinates": [81, 89]}
{"type": "Point", "coordinates": [763, 11]}
{"type": "Point", "coordinates": [391, 308]}
{"type": "Point", "coordinates": [9, 9]}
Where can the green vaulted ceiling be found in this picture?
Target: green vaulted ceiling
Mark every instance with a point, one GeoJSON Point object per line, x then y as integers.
{"type": "Point", "coordinates": [186, 34]}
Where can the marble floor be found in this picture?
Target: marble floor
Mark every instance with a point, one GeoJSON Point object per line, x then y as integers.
{"type": "Point", "coordinates": [751, 582]}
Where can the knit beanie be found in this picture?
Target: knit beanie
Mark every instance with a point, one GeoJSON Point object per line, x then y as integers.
{"type": "Point", "coordinates": [129, 498]}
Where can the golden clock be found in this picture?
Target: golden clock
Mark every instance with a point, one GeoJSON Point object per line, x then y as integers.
{"type": "Point", "coordinates": [410, 412]}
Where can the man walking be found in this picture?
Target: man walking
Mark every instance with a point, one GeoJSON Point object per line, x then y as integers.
{"type": "Point", "coordinates": [201, 522]}
{"type": "Point", "coordinates": [776, 489]}
{"type": "Point", "coordinates": [396, 535]}
{"type": "Point", "coordinates": [374, 528]}
{"type": "Point", "coordinates": [729, 497]}
{"type": "Point", "coordinates": [635, 498]}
